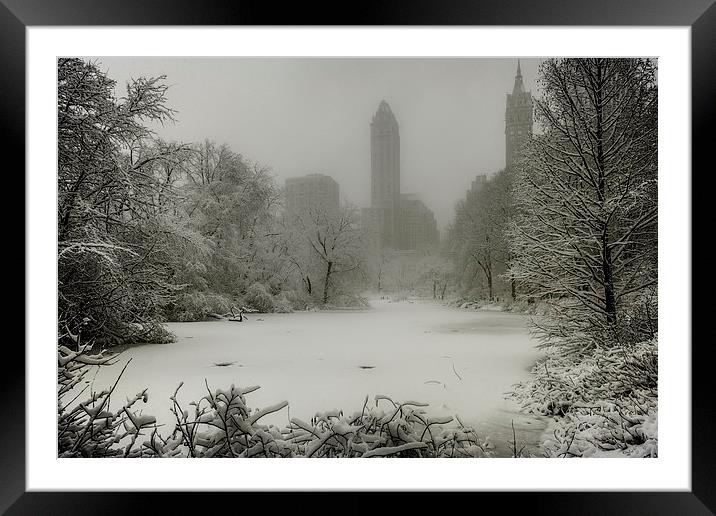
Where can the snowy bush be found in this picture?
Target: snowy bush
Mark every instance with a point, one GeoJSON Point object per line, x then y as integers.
{"type": "Point", "coordinates": [296, 299]}
{"type": "Point", "coordinates": [153, 332]}
{"type": "Point", "coordinates": [389, 430]}
{"type": "Point", "coordinates": [198, 306]}
{"type": "Point", "coordinates": [259, 298]}
{"type": "Point", "coordinates": [525, 306]}
{"type": "Point", "coordinates": [222, 425]}
{"type": "Point", "coordinates": [603, 403]}
{"type": "Point", "coordinates": [136, 333]}
{"type": "Point", "coordinates": [90, 428]}
{"type": "Point", "coordinates": [282, 304]}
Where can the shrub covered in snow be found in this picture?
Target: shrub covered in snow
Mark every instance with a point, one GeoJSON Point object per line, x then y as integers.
{"type": "Point", "coordinates": [282, 304]}
{"type": "Point", "coordinates": [348, 300]}
{"type": "Point", "coordinates": [90, 428]}
{"type": "Point", "coordinates": [260, 298]}
{"type": "Point", "coordinates": [137, 333]}
{"type": "Point", "coordinates": [468, 302]}
{"type": "Point", "coordinates": [222, 425]}
{"type": "Point", "coordinates": [525, 306]}
{"type": "Point", "coordinates": [603, 403]}
{"type": "Point", "coordinates": [153, 332]}
{"type": "Point", "coordinates": [297, 299]}
{"type": "Point", "coordinates": [198, 306]}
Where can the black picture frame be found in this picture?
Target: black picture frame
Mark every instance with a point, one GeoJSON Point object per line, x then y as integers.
{"type": "Point", "coordinates": [700, 15]}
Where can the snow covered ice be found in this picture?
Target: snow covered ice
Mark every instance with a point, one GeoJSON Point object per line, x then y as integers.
{"type": "Point", "coordinates": [458, 361]}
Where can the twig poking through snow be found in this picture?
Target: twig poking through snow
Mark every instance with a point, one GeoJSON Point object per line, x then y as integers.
{"type": "Point", "coordinates": [453, 370]}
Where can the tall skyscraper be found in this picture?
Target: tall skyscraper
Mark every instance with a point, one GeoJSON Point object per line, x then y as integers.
{"type": "Point", "coordinates": [518, 119]}
{"type": "Point", "coordinates": [385, 174]}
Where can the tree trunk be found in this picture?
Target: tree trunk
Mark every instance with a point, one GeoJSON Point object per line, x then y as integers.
{"type": "Point", "coordinates": [487, 269]}
{"type": "Point", "coordinates": [610, 305]}
{"type": "Point", "coordinates": [607, 266]}
{"type": "Point", "coordinates": [329, 269]}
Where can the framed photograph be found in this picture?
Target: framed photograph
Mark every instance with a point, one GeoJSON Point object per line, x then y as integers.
{"type": "Point", "coordinates": [411, 235]}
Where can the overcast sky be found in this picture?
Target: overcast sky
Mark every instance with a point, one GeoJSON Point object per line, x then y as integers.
{"type": "Point", "coordinates": [305, 115]}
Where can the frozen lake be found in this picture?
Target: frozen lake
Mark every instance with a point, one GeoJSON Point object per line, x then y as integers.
{"type": "Point", "coordinates": [459, 361]}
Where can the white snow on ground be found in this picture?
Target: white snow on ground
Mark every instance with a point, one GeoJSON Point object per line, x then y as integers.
{"type": "Point", "coordinates": [459, 361]}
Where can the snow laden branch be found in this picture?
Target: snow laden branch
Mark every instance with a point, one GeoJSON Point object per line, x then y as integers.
{"type": "Point", "coordinates": [90, 428]}
{"type": "Point", "coordinates": [222, 425]}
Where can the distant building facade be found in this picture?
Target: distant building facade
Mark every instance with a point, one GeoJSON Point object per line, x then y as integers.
{"type": "Point", "coordinates": [372, 222]}
{"type": "Point", "coordinates": [312, 192]}
{"type": "Point", "coordinates": [518, 119]}
{"type": "Point", "coordinates": [385, 175]}
{"type": "Point", "coordinates": [418, 227]}
{"type": "Point", "coordinates": [478, 183]}
{"type": "Point", "coordinates": [476, 187]}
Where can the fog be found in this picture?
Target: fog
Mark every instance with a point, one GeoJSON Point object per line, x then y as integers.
{"type": "Point", "coordinates": [306, 115]}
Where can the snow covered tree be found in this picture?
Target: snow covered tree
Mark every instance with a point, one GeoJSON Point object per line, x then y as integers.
{"type": "Point", "coordinates": [330, 248]}
{"type": "Point", "coordinates": [477, 235]}
{"type": "Point", "coordinates": [233, 203]}
{"type": "Point", "coordinates": [119, 242]}
{"type": "Point", "coordinates": [584, 235]}
{"type": "Point", "coordinates": [435, 271]}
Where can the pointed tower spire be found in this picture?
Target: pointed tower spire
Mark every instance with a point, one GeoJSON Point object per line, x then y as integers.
{"type": "Point", "coordinates": [519, 87]}
{"type": "Point", "coordinates": [518, 119]}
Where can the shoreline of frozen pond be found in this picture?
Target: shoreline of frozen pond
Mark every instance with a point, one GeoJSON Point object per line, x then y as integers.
{"type": "Point", "coordinates": [459, 361]}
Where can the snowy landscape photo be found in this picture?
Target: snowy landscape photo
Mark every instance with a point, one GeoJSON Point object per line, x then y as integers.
{"type": "Point", "coordinates": [357, 257]}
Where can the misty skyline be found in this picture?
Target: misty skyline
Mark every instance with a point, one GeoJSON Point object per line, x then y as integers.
{"type": "Point", "coordinates": [312, 115]}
